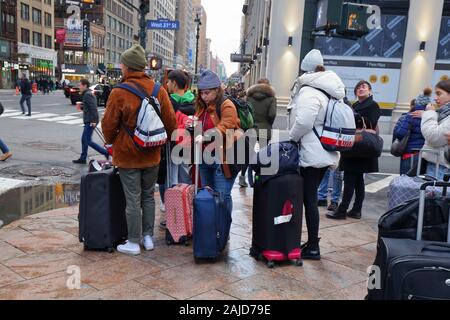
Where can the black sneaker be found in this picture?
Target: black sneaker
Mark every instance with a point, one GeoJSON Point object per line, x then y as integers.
{"type": "Point", "coordinates": [79, 161]}
{"type": "Point", "coordinates": [311, 252]}
{"type": "Point", "coordinates": [337, 215]}
{"type": "Point", "coordinates": [322, 203]}
{"type": "Point", "coordinates": [333, 207]}
{"type": "Point", "coordinates": [354, 214]}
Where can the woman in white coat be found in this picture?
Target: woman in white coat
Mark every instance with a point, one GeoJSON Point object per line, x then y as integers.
{"type": "Point", "coordinates": [436, 130]}
{"type": "Point", "coordinates": [308, 108]}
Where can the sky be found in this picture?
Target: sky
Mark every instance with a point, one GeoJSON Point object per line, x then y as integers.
{"type": "Point", "coordinates": [224, 29]}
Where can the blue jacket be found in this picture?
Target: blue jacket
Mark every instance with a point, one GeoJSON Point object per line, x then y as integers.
{"type": "Point", "coordinates": [416, 140]}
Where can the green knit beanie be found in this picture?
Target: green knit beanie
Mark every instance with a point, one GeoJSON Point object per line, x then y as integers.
{"type": "Point", "coordinates": [134, 58]}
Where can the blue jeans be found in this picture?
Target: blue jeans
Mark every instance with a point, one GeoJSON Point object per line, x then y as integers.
{"type": "Point", "coordinates": [212, 176]}
{"type": "Point", "coordinates": [442, 171]}
{"type": "Point", "coordinates": [3, 147]}
{"type": "Point", "coordinates": [336, 177]}
{"type": "Point", "coordinates": [26, 98]}
{"type": "Point", "coordinates": [86, 142]}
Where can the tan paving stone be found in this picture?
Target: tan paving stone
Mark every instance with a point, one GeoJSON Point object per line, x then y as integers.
{"type": "Point", "coordinates": [45, 263]}
{"type": "Point", "coordinates": [41, 241]}
{"type": "Point", "coordinates": [54, 223]}
{"type": "Point", "coordinates": [7, 276]}
{"type": "Point", "coordinates": [187, 281]}
{"type": "Point", "coordinates": [49, 287]}
{"type": "Point", "coordinates": [105, 274]}
{"type": "Point", "coordinates": [130, 290]}
{"type": "Point", "coordinates": [354, 292]}
{"type": "Point", "coordinates": [359, 258]}
{"type": "Point", "coordinates": [213, 295]}
{"type": "Point", "coordinates": [7, 251]}
{"type": "Point", "coordinates": [271, 286]}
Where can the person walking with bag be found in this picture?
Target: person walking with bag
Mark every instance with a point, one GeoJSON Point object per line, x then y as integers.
{"type": "Point", "coordinates": [310, 103]}
{"type": "Point", "coordinates": [409, 127]}
{"type": "Point", "coordinates": [436, 130]}
{"type": "Point", "coordinates": [367, 114]}
{"type": "Point", "coordinates": [138, 169]}
{"type": "Point", "coordinates": [217, 115]}
{"type": "Point", "coordinates": [91, 120]}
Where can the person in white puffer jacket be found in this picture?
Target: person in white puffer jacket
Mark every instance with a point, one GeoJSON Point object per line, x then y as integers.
{"type": "Point", "coordinates": [307, 111]}
{"type": "Point", "coordinates": [436, 130]}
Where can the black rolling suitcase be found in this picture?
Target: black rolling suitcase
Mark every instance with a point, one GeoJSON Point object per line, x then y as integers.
{"type": "Point", "coordinates": [277, 219]}
{"type": "Point", "coordinates": [102, 219]}
{"type": "Point", "coordinates": [407, 269]}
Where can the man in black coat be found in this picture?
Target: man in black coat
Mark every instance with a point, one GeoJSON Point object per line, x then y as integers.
{"type": "Point", "coordinates": [25, 89]}
{"type": "Point", "coordinates": [91, 120]}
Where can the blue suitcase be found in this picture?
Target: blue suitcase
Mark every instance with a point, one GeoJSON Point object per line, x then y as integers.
{"type": "Point", "coordinates": [212, 223]}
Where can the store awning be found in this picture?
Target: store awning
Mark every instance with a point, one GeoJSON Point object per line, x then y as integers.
{"type": "Point", "coordinates": [77, 69]}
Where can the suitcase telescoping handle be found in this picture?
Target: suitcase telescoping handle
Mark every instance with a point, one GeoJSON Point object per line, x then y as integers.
{"type": "Point", "coordinates": [197, 159]}
{"type": "Point", "coordinates": [168, 165]}
{"type": "Point", "coordinates": [422, 200]}
{"type": "Point", "coordinates": [419, 165]}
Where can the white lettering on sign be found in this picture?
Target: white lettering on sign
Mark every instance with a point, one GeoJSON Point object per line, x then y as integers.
{"type": "Point", "coordinates": [374, 21]}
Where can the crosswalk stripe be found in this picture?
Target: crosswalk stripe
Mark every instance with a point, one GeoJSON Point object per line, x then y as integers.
{"type": "Point", "coordinates": [11, 114]}
{"type": "Point", "coordinates": [36, 116]}
{"type": "Point", "coordinates": [61, 118]}
{"type": "Point", "coordinates": [77, 121]}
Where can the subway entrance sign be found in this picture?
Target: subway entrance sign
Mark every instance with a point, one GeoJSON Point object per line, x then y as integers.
{"type": "Point", "coordinates": [163, 24]}
{"type": "Point", "coordinates": [241, 58]}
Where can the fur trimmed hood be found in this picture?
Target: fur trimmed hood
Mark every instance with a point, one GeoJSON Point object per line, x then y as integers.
{"type": "Point", "coordinates": [261, 92]}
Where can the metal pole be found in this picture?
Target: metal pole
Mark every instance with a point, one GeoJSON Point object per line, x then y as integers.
{"type": "Point", "coordinates": [143, 31]}
{"type": "Point", "coordinates": [199, 23]}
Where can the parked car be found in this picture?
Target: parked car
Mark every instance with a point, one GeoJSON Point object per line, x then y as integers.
{"type": "Point", "coordinates": [98, 90]}
{"type": "Point", "coordinates": [68, 88]}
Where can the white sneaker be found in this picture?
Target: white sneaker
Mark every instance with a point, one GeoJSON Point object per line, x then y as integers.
{"type": "Point", "coordinates": [130, 248]}
{"type": "Point", "coordinates": [148, 243]}
{"type": "Point", "coordinates": [162, 207]}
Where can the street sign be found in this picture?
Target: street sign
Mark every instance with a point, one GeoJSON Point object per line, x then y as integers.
{"type": "Point", "coordinates": [163, 24]}
{"type": "Point", "coordinates": [241, 58]}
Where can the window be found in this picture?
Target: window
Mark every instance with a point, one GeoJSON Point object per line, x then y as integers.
{"type": "Point", "coordinates": [25, 11]}
{"type": "Point", "coordinates": [49, 2]}
{"type": "Point", "coordinates": [48, 20]}
{"type": "Point", "coordinates": [48, 42]}
{"type": "Point", "coordinates": [25, 36]}
{"type": "Point", "coordinates": [37, 39]}
{"type": "Point", "coordinates": [37, 16]}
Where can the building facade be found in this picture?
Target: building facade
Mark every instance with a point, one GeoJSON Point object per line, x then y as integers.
{"type": "Point", "coordinates": [184, 40]}
{"type": "Point", "coordinates": [389, 57]}
{"type": "Point", "coordinates": [36, 45]}
{"type": "Point", "coordinates": [9, 66]}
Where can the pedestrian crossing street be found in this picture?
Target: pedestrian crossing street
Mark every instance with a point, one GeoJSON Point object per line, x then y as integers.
{"type": "Point", "coordinates": [73, 119]}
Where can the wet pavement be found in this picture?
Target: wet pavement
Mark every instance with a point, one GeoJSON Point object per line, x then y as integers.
{"type": "Point", "coordinates": [39, 253]}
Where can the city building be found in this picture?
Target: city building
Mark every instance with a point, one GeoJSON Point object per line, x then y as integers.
{"type": "Point", "coordinates": [203, 51]}
{"type": "Point", "coordinates": [185, 37]}
{"type": "Point", "coordinates": [36, 49]}
{"type": "Point", "coordinates": [410, 50]}
{"type": "Point", "coordinates": [8, 44]}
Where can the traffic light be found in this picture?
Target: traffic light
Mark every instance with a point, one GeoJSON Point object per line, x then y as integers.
{"type": "Point", "coordinates": [144, 7]}
{"type": "Point", "coordinates": [155, 63]}
{"type": "Point", "coordinates": [354, 20]}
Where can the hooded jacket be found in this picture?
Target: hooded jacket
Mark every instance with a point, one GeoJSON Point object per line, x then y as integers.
{"type": "Point", "coordinates": [184, 104]}
{"type": "Point", "coordinates": [262, 98]}
{"type": "Point", "coordinates": [307, 111]}
{"type": "Point", "coordinates": [408, 123]}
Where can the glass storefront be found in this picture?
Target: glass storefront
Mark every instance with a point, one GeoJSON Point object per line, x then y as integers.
{"type": "Point", "coordinates": [41, 68]}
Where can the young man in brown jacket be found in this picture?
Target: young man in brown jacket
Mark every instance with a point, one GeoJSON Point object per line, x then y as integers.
{"type": "Point", "coordinates": [138, 170]}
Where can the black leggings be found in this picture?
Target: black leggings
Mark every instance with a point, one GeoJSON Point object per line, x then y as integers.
{"type": "Point", "coordinates": [312, 178]}
{"type": "Point", "coordinates": [353, 184]}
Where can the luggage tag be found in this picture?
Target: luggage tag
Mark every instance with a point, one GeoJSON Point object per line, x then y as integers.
{"type": "Point", "coordinates": [287, 214]}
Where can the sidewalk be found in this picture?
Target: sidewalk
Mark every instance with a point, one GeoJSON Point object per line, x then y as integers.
{"type": "Point", "coordinates": [35, 253]}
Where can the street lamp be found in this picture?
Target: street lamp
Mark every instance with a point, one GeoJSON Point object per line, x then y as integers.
{"type": "Point", "coordinates": [199, 23]}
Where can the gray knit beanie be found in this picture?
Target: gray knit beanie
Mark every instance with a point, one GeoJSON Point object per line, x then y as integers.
{"type": "Point", "coordinates": [209, 80]}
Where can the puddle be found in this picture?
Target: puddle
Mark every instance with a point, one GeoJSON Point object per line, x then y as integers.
{"type": "Point", "coordinates": [21, 202]}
